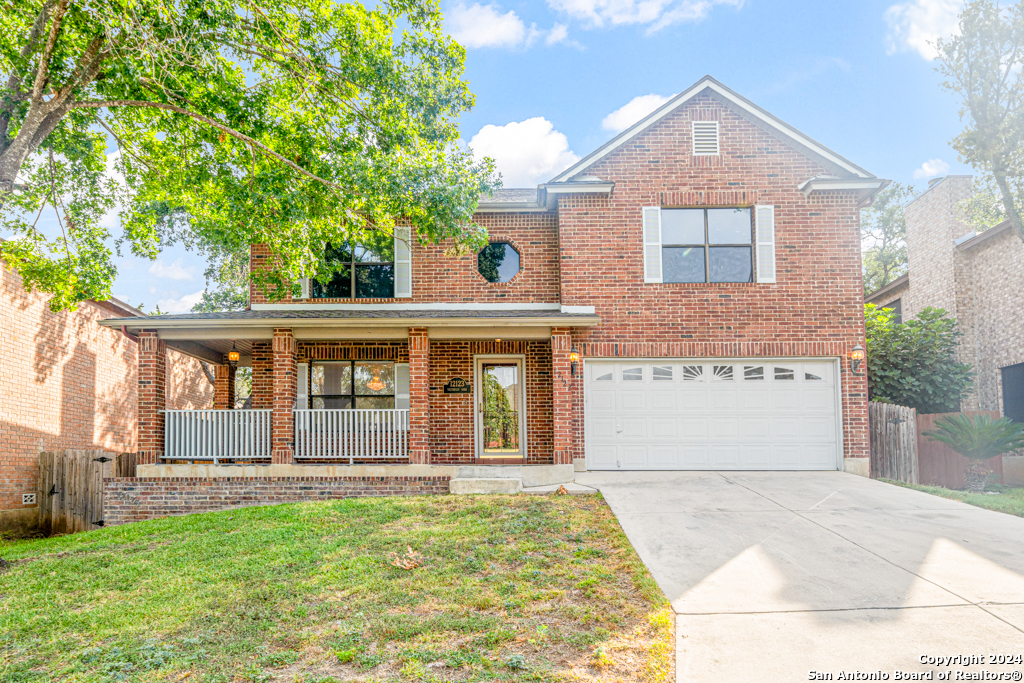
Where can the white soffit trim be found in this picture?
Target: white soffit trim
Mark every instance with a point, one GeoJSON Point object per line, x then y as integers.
{"type": "Point", "coordinates": [682, 98]}
{"type": "Point", "coordinates": [409, 307]}
{"type": "Point", "coordinates": [579, 188]}
{"type": "Point", "coordinates": [586, 310]}
{"type": "Point", "coordinates": [822, 184]}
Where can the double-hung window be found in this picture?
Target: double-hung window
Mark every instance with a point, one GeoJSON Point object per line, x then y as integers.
{"type": "Point", "coordinates": [356, 385]}
{"type": "Point", "coordinates": [361, 272]}
{"type": "Point", "coordinates": [707, 245]}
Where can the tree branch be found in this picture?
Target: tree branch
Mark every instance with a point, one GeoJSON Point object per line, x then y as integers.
{"type": "Point", "coordinates": [44, 60]}
{"type": "Point", "coordinates": [102, 104]}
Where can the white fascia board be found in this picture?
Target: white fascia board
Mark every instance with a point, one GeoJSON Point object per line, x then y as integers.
{"type": "Point", "coordinates": [682, 98]}
{"type": "Point", "coordinates": [246, 329]}
{"type": "Point", "coordinates": [579, 188]}
{"type": "Point", "coordinates": [582, 310]}
{"type": "Point", "coordinates": [824, 184]}
{"type": "Point", "coordinates": [408, 307]}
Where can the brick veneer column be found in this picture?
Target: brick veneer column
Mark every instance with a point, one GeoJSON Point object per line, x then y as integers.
{"type": "Point", "coordinates": [282, 421]}
{"type": "Point", "coordinates": [224, 387]}
{"type": "Point", "coordinates": [419, 395]}
{"type": "Point", "coordinates": [561, 394]}
{"type": "Point", "coordinates": [152, 396]}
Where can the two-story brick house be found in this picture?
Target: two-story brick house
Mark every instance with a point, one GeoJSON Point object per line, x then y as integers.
{"type": "Point", "coordinates": [685, 297]}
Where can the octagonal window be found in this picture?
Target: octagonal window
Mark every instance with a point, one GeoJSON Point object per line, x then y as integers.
{"type": "Point", "coordinates": [498, 262]}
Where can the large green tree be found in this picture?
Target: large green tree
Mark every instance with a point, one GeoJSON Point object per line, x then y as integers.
{"type": "Point", "coordinates": [294, 123]}
{"type": "Point", "coordinates": [983, 66]}
{"type": "Point", "coordinates": [884, 236]}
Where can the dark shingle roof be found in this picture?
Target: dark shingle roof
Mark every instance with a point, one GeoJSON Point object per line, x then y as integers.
{"type": "Point", "coordinates": [511, 194]}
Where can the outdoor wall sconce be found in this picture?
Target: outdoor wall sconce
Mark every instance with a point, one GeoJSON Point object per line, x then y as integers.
{"type": "Point", "coordinates": [856, 358]}
{"type": "Point", "coordinates": [233, 355]}
{"type": "Point", "coordinates": [574, 357]}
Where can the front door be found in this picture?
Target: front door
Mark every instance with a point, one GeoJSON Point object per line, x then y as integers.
{"type": "Point", "coordinates": [500, 408]}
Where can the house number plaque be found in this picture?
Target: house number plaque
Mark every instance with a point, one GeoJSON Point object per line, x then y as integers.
{"type": "Point", "coordinates": [456, 385]}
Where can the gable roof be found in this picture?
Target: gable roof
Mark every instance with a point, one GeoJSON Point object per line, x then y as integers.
{"type": "Point", "coordinates": [842, 167]}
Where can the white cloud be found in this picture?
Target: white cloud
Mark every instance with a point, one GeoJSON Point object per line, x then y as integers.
{"type": "Point", "coordinates": [656, 14]}
{"type": "Point", "coordinates": [526, 152]}
{"type": "Point", "coordinates": [931, 168]}
{"type": "Point", "coordinates": [631, 112]}
{"type": "Point", "coordinates": [916, 24]}
{"type": "Point", "coordinates": [478, 26]}
{"type": "Point", "coordinates": [182, 305]}
{"type": "Point", "coordinates": [485, 26]}
{"type": "Point", "coordinates": [170, 271]}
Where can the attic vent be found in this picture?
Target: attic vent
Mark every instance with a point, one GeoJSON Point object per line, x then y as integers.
{"type": "Point", "coordinates": [705, 138]}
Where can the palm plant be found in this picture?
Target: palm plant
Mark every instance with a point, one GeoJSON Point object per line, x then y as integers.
{"type": "Point", "coordinates": [978, 439]}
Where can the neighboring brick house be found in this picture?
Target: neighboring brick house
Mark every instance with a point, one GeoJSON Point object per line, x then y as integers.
{"type": "Point", "coordinates": [66, 382]}
{"type": "Point", "coordinates": [979, 279]}
{"type": "Point", "coordinates": [685, 297]}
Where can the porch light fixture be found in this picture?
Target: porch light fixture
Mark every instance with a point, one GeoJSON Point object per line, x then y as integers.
{"type": "Point", "coordinates": [856, 358]}
{"type": "Point", "coordinates": [233, 355]}
{"type": "Point", "coordinates": [375, 384]}
{"type": "Point", "coordinates": [574, 357]}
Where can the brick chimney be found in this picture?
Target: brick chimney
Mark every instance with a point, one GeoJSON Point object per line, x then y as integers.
{"type": "Point", "coordinates": [933, 224]}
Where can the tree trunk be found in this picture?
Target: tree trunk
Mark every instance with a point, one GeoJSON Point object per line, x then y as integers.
{"type": "Point", "coordinates": [1008, 203]}
{"type": "Point", "coordinates": [975, 477]}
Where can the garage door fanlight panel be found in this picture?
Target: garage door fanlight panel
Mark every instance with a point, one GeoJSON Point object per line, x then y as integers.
{"type": "Point", "coordinates": [856, 358]}
{"type": "Point", "coordinates": [574, 357]}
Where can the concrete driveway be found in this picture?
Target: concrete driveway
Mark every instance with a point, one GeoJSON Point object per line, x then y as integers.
{"type": "Point", "coordinates": [774, 575]}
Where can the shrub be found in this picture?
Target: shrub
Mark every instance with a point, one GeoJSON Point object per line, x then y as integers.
{"type": "Point", "coordinates": [978, 439]}
{"type": "Point", "coordinates": [914, 363]}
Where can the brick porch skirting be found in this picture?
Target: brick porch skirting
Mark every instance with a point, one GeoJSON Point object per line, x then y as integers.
{"type": "Point", "coordinates": [134, 499]}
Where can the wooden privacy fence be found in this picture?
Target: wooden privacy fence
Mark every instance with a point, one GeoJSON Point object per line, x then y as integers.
{"type": "Point", "coordinates": [70, 492]}
{"type": "Point", "coordinates": [893, 434]}
{"type": "Point", "coordinates": [940, 465]}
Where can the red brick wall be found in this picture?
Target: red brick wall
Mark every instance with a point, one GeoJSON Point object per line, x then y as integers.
{"type": "Point", "coordinates": [815, 308]}
{"type": "Point", "coordinates": [282, 428]}
{"type": "Point", "coordinates": [66, 382]}
{"type": "Point", "coordinates": [452, 440]}
{"type": "Point", "coordinates": [440, 278]}
{"type": "Point", "coordinates": [138, 499]}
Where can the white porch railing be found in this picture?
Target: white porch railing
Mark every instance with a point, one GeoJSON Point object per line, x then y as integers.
{"type": "Point", "coordinates": [351, 434]}
{"type": "Point", "coordinates": [215, 435]}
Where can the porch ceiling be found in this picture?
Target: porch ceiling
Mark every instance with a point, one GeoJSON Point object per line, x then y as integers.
{"type": "Point", "coordinates": [209, 336]}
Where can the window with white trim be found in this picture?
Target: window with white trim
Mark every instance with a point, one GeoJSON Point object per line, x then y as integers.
{"type": "Point", "coordinates": [709, 244]}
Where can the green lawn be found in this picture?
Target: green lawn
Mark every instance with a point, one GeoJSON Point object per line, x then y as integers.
{"type": "Point", "coordinates": [1010, 499]}
{"type": "Point", "coordinates": [517, 588]}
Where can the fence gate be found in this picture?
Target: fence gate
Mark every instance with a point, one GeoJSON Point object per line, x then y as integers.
{"type": "Point", "coordinates": [70, 493]}
{"type": "Point", "coordinates": [893, 442]}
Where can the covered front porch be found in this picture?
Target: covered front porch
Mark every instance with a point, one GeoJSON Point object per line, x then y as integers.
{"type": "Point", "coordinates": [376, 386]}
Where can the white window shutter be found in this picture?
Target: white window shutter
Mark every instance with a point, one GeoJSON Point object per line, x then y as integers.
{"type": "Point", "coordinates": [652, 243]}
{"type": "Point", "coordinates": [764, 219]}
{"type": "Point", "coordinates": [403, 262]}
{"type": "Point", "coordinates": [302, 386]}
{"type": "Point", "coordinates": [304, 288]}
{"type": "Point", "coordinates": [401, 386]}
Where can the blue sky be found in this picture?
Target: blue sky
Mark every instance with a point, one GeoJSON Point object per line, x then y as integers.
{"type": "Point", "coordinates": [554, 79]}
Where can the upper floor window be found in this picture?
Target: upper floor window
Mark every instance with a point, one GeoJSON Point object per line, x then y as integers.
{"type": "Point", "coordinates": [498, 262]}
{"type": "Point", "coordinates": [707, 245]}
{"type": "Point", "coordinates": [362, 272]}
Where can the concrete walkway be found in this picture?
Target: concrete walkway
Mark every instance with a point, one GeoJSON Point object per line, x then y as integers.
{"type": "Point", "coordinates": [775, 575]}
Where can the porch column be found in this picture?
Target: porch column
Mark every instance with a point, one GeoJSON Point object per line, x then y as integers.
{"type": "Point", "coordinates": [419, 395]}
{"type": "Point", "coordinates": [152, 397]}
{"type": "Point", "coordinates": [223, 387]}
{"type": "Point", "coordinates": [282, 421]}
{"type": "Point", "coordinates": [561, 394]}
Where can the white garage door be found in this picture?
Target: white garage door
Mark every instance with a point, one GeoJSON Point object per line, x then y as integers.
{"type": "Point", "coordinates": [710, 415]}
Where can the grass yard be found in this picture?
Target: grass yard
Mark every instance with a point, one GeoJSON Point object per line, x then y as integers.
{"type": "Point", "coordinates": [513, 588]}
{"type": "Point", "coordinates": [1010, 499]}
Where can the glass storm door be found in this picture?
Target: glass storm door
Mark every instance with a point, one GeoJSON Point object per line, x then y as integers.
{"type": "Point", "coordinates": [500, 409]}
